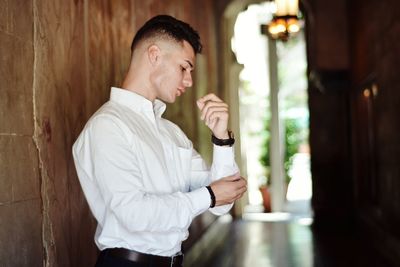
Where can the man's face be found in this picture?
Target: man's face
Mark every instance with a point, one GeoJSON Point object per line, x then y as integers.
{"type": "Point", "coordinates": [174, 73]}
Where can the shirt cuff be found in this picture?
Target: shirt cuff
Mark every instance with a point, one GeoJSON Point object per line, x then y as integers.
{"type": "Point", "coordinates": [224, 155]}
{"type": "Point", "coordinates": [201, 200]}
{"type": "Point", "coordinates": [221, 210]}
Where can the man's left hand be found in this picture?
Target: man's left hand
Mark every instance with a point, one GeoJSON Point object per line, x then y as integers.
{"type": "Point", "coordinates": [215, 114]}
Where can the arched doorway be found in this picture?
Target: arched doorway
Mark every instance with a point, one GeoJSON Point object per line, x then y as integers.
{"type": "Point", "coordinates": [249, 77]}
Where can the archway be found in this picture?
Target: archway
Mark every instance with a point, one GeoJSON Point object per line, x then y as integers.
{"type": "Point", "coordinates": [251, 145]}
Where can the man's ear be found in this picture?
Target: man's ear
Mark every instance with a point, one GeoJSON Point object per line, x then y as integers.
{"type": "Point", "coordinates": [153, 54]}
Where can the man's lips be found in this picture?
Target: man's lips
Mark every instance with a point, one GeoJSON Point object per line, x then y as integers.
{"type": "Point", "coordinates": [181, 91]}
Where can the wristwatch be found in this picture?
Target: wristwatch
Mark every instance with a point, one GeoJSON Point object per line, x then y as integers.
{"type": "Point", "coordinates": [223, 142]}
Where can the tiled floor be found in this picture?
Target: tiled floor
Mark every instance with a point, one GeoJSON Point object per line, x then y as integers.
{"type": "Point", "coordinates": [291, 243]}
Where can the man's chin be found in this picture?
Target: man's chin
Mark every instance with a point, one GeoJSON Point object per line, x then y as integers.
{"type": "Point", "coordinates": [170, 100]}
{"type": "Point", "coordinates": [167, 99]}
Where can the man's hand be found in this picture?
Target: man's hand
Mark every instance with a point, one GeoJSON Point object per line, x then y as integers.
{"type": "Point", "coordinates": [228, 189]}
{"type": "Point", "coordinates": [214, 112]}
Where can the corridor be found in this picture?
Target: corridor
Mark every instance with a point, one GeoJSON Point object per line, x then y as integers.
{"type": "Point", "coordinates": [291, 244]}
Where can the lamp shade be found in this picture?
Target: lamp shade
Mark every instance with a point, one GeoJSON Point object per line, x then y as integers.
{"type": "Point", "coordinates": [292, 7]}
{"type": "Point", "coordinates": [285, 22]}
{"type": "Point", "coordinates": [287, 7]}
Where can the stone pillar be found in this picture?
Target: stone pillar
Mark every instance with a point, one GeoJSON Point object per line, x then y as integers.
{"type": "Point", "coordinates": [276, 145]}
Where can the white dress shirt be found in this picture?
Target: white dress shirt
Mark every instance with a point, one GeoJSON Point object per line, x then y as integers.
{"type": "Point", "coordinates": [142, 178]}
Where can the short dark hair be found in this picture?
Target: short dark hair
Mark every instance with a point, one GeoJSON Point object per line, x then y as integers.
{"type": "Point", "coordinates": [168, 26]}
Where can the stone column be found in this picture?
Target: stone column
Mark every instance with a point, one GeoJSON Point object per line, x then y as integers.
{"type": "Point", "coordinates": [276, 148]}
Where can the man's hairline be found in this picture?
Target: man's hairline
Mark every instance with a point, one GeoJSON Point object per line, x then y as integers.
{"type": "Point", "coordinates": [153, 40]}
{"type": "Point", "coordinates": [146, 43]}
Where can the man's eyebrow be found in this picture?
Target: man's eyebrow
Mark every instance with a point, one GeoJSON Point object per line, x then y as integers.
{"type": "Point", "coordinates": [190, 63]}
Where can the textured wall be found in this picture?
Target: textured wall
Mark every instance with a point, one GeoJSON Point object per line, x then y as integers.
{"type": "Point", "coordinates": [20, 198]}
{"type": "Point", "coordinates": [354, 111]}
{"type": "Point", "coordinates": [376, 125]}
{"type": "Point", "coordinates": [62, 102]}
{"type": "Point", "coordinates": [57, 62]}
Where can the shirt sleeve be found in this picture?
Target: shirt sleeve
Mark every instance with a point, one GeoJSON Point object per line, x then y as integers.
{"type": "Point", "coordinates": [223, 165]}
{"type": "Point", "coordinates": [105, 155]}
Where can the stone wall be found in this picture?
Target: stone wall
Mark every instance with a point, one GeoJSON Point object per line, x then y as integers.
{"type": "Point", "coordinates": [20, 194]}
{"type": "Point", "coordinates": [58, 60]}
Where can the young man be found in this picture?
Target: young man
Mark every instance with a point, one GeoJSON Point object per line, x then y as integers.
{"type": "Point", "coordinates": [142, 178]}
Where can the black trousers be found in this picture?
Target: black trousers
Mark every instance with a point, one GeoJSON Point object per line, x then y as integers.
{"type": "Point", "coordinates": [107, 260]}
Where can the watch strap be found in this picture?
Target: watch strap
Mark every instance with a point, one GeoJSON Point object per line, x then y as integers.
{"type": "Point", "coordinates": [212, 196]}
{"type": "Point", "coordinates": [223, 142]}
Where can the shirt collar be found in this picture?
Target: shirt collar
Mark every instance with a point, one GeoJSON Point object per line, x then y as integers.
{"type": "Point", "coordinates": [136, 102]}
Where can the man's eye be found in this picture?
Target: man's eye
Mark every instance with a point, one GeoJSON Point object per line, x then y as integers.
{"type": "Point", "coordinates": [183, 69]}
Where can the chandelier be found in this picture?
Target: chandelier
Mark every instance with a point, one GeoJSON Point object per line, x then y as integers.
{"type": "Point", "coordinates": [285, 22]}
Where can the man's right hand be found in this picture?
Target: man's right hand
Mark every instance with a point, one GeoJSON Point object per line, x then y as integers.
{"type": "Point", "coordinates": [228, 189]}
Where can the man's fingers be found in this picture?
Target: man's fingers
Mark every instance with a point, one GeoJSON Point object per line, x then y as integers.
{"type": "Point", "coordinates": [214, 117]}
{"type": "Point", "coordinates": [209, 97]}
{"type": "Point", "coordinates": [200, 104]}
{"type": "Point", "coordinates": [238, 194]}
{"type": "Point", "coordinates": [233, 177]}
{"type": "Point", "coordinates": [241, 192]}
{"type": "Point", "coordinates": [213, 111]}
{"type": "Point", "coordinates": [210, 106]}
{"type": "Point", "coordinates": [218, 115]}
{"type": "Point", "coordinates": [229, 189]}
{"type": "Point", "coordinates": [209, 100]}
{"type": "Point", "coordinates": [241, 184]}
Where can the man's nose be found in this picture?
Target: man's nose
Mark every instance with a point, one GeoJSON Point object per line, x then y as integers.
{"type": "Point", "coordinates": [187, 79]}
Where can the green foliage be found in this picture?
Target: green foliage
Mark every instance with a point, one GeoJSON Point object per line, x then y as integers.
{"type": "Point", "coordinates": [295, 134]}
{"type": "Point", "coordinates": [264, 157]}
